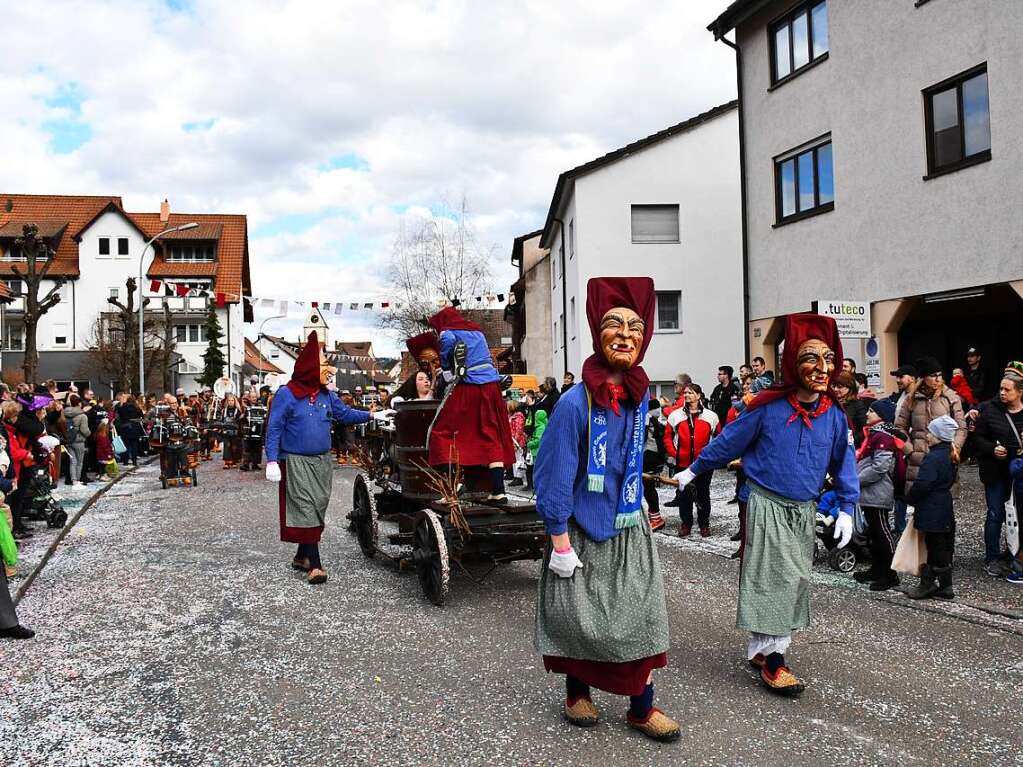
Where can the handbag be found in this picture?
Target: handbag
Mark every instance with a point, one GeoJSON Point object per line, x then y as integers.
{"type": "Point", "coordinates": [1011, 512]}
{"type": "Point", "coordinates": [911, 553]}
{"type": "Point", "coordinates": [8, 548]}
{"type": "Point", "coordinates": [118, 444]}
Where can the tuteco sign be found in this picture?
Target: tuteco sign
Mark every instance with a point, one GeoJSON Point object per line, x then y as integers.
{"type": "Point", "coordinates": [852, 317]}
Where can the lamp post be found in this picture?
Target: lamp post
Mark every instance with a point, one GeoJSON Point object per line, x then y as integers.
{"type": "Point", "coordinates": [258, 337]}
{"type": "Point", "coordinates": [142, 260]}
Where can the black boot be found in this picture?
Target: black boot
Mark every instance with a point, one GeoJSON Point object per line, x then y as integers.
{"type": "Point", "coordinates": [868, 576]}
{"type": "Point", "coordinates": [887, 580]}
{"type": "Point", "coordinates": [944, 576]}
{"type": "Point", "coordinates": [928, 587]}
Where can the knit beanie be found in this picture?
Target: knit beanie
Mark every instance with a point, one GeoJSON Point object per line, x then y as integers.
{"type": "Point", "coordinates": [943, 427]}
{"type": "Point", "coordinates": [885, 409]}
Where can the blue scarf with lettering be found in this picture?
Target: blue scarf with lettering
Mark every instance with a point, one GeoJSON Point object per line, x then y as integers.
{"type": "Point", "coordinates": [630, 498]}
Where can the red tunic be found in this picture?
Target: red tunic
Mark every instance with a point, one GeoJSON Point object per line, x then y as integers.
{"type": "Point", "coordinates": [472, 428]}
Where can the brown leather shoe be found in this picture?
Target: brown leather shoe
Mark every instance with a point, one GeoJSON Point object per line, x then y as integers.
{"type": "Point", "coordinates": [316, 577]}
{"type": "Point", "coordinates": [705, 532]}
{"type": "Point", "coordinates": [657, 726]}
{"type": "Point", "coordinates": [782, 682]}
{"type": "Point", "coordinates": [684, 531]}
{"type": "Point", "coordinates": [300, 564]}
{"type": "Point", "coordinates": [582, 713]}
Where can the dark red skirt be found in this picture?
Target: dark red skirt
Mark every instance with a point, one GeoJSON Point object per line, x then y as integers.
{"type": "Point", "coordinates": [472, 428]}
{"type": "Point", "coordinates": [292, 534]}
{"type": "Point", "coordinates": [627, 678]}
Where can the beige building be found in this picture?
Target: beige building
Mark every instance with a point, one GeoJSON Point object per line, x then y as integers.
{"type": "Point", "coordinates": [530, 314]}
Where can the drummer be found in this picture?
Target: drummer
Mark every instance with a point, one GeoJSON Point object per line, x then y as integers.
{"type": "Point", "coordinates": [255, 430]}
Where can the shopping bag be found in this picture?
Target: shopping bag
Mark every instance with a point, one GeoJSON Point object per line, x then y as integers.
{"type": "Point", "coordinates": [8, 548]}
{"type": "Point", "coordinates": [119, 447]}
{"type": "Point", "coordinates": [111, 468]}
{"type": "Point", "coordinates": [1011, 527]}
{"type": "Point", "coordinates": [911, 553]}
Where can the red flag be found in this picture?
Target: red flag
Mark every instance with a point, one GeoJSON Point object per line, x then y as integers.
{"type": "Point", "coordinates": [384, 305]}
{"type": "Point", "coordinates": [181, 290]}
{"type": "Point", "coordinates": [221, 300]}
{"type": "Point", "coordinates": [315, 304]}
{"type": "Point", "coordinates": [154, 286]}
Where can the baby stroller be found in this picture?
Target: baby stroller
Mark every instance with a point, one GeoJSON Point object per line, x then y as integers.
{"type": "Point", "coordinates": [844, 560]}
{"type": "Point", "coordinates": [39, 501]}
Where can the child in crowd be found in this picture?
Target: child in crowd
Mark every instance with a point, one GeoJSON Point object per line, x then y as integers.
{"type": "Point", "coordinates": [962, 388]}
{"type": "Point", "coordinates": [875, 466]}
{"type": "Point", "coordinates": [931, 497]}
{"type": "Point", "coordinates": [105, 449]}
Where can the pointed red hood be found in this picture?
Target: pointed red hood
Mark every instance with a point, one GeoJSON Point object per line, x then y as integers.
{"type": "Point", "coordinates": [305, 381]}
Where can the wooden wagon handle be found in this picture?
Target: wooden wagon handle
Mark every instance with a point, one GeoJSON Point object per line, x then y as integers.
{"type": "Point", "coordinates": [661, 480]}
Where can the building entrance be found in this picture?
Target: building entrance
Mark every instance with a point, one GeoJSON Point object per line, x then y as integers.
{"type": "Point", "coordinates": [944, 326]}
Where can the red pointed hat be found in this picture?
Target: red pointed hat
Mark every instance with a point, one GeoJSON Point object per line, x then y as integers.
{"type": "Point", "coordinates": [799, 328]}
{"type": "Point", "coordinates": [305, 381]}
{"type": "Point", "coordinates": [418, 344]}
{"type": "Point", "coordinates": [602, 294]}
{"type": "Point", "coordinates": [449, 318]}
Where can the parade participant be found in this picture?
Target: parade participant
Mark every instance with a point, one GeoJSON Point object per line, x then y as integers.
{"type": "Point", "coordinates": [471, 427]}
{"type": "Point", "coordinates": [298, 453]}
{"type": "Point", "coordinates": [790, 438]}
{"type": "Point", "coordinates": [254, 423]}
{"type": "Point", "coordinates": [231, 416]}
{"type": "Point", "coordinates": [426, 353]}
{"type": "Point", "coordinates": [601, 617]}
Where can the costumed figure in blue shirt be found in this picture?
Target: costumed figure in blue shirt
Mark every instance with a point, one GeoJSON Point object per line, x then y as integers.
{"type": "Point", "coordinates": [298, 453]}
{"type": "Point", "coordinates": [790, 438]}
{"type": "Point", "coordinates": [601, 616]}
{"type": "Point", "coordinates": [471, 427]}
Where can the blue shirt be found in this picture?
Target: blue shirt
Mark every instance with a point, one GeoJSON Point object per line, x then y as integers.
{"type": "Point", "coordinates": [560, 468]}
{"type": "Point", "coordinates": [478, 362]}
{"type": "Point", "coordinates": [789, 459]}
{"type": "Point", "coordinates": [303, 427]}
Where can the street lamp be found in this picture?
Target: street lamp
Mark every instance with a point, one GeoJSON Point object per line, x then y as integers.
{"type": "Point", "coordinates": [259, 336]}
{"type": "Point", "coordinates": [142, 259]}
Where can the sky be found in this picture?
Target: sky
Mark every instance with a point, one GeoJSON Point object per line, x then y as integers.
{"type": "Point", "coordinates": [327, 122]}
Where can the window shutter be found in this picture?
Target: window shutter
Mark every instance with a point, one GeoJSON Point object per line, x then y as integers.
{"type": "Point", "coordinates": [655, 223]}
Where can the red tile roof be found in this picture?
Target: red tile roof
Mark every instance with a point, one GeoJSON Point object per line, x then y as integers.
{"type": "Point", "coordinates": [51, 212]}
{"type": "Point", "coordinates": [76, 211]}
{"type": "Point", "coordinates": [231, 270]}
{"type": "Point", "coordinates": [257, 361]}
{"type": "Point", "coordinates": [5, 292]}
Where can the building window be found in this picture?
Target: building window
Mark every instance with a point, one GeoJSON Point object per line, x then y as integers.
{"type": "Point", "coordinates": [14, 286]}
{"type": "Point", "coordinates": [958, 122]}
{"type": "Point", "coordinates": [571, 238]}
{"type": "Point", "coordinates": [13, 253]}
{"type": "Point", "coordinates": [669, 310]}
{"type": "Point", "coordinates": [575, 323]}
{"type": "Point", "coordinates": [122, 246]}
{"type": "Point", "coordinates": [60, 334]}
{"type": "Point", "coordinates": [104, 246]}
{"type": "Point", "coordinates": [274, 354]}
{"type": "Point", "coordinates": [13, 337]}
{"type": "Point", "coordinates": [655, 223]}
{"type": "Point", "coordinates": [798, 40]}
{"type": "Point", "coordinates": [804, 182]}
{"type": "Point", "coordinates": [555, 334]}
{"type": "Point", "coordinates": [191, 253]}
{"type": "Point", "coordinates": [190, 334]}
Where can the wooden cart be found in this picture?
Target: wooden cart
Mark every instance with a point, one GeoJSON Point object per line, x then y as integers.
{"type": "Point", "coordinates": [432, 536]}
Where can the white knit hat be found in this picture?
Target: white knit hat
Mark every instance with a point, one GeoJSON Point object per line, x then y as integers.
{"type": "Point", "coordinates": [943, 427]}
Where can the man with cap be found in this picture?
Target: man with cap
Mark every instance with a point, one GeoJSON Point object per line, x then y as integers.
{"type": "Point", "coordinates": [974, 375]}
{"type": "Point", "coordinates": [790, 438]}
{"type": "Point", "coordinates": [905, 377]}
{"type": "Point", "coordinates": [298, 453]}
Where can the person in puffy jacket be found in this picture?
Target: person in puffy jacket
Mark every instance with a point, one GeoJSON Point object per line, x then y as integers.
{"type": "Point", "coordinates": [688, 431]}
{"type": "Point", "coordinates": [539, 425]}
{"type": "Point", "coordinates": [875, 466]}
{"type": "Point", "coordinates": [931, 496]}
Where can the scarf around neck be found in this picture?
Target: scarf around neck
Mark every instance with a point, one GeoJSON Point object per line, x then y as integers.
{"type": "Point", "coordinates": [629, 511]}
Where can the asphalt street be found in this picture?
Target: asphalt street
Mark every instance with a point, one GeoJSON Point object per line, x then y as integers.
{"type": "Point", "coordinates": [171, 631]}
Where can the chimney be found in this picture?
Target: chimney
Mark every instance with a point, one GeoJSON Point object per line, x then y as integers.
{"type": "Point", "coordinates": [164, 212]}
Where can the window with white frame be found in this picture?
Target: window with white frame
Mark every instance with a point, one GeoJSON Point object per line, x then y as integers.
{"type": "Point", "coordinates": [669, 311]}
{"type": "Point", "coordinates": [655, 224]}
{"type": "Point", "coordinates": [555, 334]}
{"type": "Point", "coordinates": [13, 337]}
{"type": "Point", "coordinates": [573, 322]}
{"type": "Point", "coordinates": [14, 286]}
{"type": "Point", "coordinates": [122, 247]}
{"type": "Point", "coordinates": [13, 253]}
{"type": "Point", "coordinates": [190, 334]}
{"type": "Point", "coordinates": [571, 238]}
{"type": "Point", "coordinates": [191, 252]}
{"type": "Point", "coordinates": [60, 334]}
{"type": "Point", "coordinates": [104, 247]}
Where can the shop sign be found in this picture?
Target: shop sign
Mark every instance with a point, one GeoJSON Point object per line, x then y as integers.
{"type": "Point", "coordinates": [852, 317]}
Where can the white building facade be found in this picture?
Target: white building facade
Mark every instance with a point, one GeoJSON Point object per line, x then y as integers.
{"type": "Point", "coordinates": [666, 207]}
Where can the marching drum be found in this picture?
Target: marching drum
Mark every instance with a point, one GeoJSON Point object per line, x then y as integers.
{"type": "Point", "coordinates": [158, 434]}
{"type": "Point", "coordinates": [255, 421]}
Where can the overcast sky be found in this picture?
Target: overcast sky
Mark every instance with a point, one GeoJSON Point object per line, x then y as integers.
{"type": "Point", "coordinates": [326, 122]}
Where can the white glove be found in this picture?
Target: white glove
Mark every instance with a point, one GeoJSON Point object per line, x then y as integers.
{"type": "Point", "coordinates": [843, 529]}
{"type": "Point", "coordinates": [273, 471]}
{"type": "Point", "coordinates": [683, 478]}
{"type": "Point", "coordinates": [564, 565]}
{"type": "Point", "coordinates": [381, 415]}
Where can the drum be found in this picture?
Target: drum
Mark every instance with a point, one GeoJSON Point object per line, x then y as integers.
{"type": "Point", "coordinates": [176, 430]}
{"type": "Point", "coordinates": [255, 421]}
{"type": "Point", "coordinates": [158, 434]}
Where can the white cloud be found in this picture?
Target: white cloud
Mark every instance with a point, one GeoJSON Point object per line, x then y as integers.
{"type": "Point", "coordinates": [439, 97]}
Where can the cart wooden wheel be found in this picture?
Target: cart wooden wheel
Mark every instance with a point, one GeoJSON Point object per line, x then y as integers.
{"type": "Point", "coordinates": [364, 515]}
{"type": "Point", "coordinates": [430, 555]}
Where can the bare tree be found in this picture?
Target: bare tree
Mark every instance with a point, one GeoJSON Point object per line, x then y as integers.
{"type": "Point", "coordinates": [114, 343]}
{"type": "Point", "coordinates": [38, 260]}
{"type": "Point", "coordinates": [434, 258]}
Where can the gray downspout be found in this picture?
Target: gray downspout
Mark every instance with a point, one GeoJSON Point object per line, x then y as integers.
{"type": "Point", "coordinates": [564, 299]}
{"type": "Point", "coordinates": [742, 193]}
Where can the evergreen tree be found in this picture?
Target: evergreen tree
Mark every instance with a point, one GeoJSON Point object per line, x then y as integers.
{"type": "Point", "coordinates": [213, 357]}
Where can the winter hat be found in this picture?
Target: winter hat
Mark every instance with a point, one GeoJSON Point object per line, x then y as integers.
{"type": "Point", "coordinates": [926, 366]}
{"type": "Point", "coordinates": [885, 409]}
{"type": "Point", "coordinates": [943, 427]}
